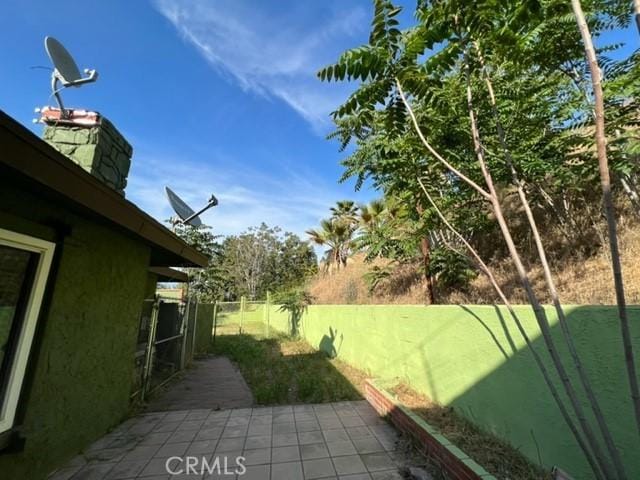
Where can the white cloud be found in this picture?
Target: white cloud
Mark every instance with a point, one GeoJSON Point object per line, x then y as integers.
{"type": "Point", "coordinates": [273, 55]}
{"type": "Point", "coordinates": [247, 198]}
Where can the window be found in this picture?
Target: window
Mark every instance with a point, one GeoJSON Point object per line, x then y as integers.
{"type": "Point", "coordinates": [24, 267]}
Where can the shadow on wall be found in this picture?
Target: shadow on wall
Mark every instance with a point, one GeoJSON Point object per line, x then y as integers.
{"type": "Point", "coordinates": [513, 402]}
{"type": "Point", "coordinates": [474, 359]}
{"type": "Point", "coordinates": [328, 343]}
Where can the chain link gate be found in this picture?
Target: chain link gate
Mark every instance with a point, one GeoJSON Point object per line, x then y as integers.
{"type": "Point", "coordinates": [166, 336]}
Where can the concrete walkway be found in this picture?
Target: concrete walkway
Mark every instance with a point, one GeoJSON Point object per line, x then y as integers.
{"type": "Point", "coordinates": [213, 383]}
{"type": "Point", "coordinates": [345, 440]}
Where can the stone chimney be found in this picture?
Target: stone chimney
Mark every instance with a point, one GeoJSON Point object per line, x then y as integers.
{"type": "Point", "coordinates": [91, 141]}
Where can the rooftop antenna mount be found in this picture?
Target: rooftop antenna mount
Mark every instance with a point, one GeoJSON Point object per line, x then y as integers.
{"type": "Point", "coordinates": [65, 72]}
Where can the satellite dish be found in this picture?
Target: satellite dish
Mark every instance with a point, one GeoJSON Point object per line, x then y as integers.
{"type": "Point", "coordinates": [65, 70]}
{"type": "Point", "coordinates": [185, 213]}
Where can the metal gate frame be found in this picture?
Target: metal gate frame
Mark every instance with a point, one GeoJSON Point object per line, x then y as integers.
{"type": "Point", "coordinates": [187, 334]}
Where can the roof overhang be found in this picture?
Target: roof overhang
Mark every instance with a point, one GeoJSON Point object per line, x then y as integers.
{"type": "Point", "coordinates": [166, 274]}
{"type": "Point", "coordinates": [47, 169]}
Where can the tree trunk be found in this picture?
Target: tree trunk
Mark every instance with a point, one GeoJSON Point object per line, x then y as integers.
{"type": "Point", "coordinates": [603, 164]}
{"type": "Point", "coordinates": [426, 258]}
{"type": "Point", "coordinates": [533, 300]}
{"type": "Point", "coordinates": [586, 383]}
{"type": "Point", "coordinates": [539, 312]}
{"type": "Point", "coordinates": [425, 248]}
{"type": "Point", "coordinates": [636, 11]}
{"type": "Point", "coordinates": [541, 366]}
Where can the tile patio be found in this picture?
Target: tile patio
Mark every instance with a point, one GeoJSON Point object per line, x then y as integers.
{"type": "Point", "coordinates": [345, 440]}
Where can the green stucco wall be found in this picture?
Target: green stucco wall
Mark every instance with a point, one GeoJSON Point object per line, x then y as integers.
{"type": "Point", "coordinates": [81, 374]}
{"type": "Point", "coordinates": [473, 358]}
{"type": "Point", "coordinates": [204, 326]}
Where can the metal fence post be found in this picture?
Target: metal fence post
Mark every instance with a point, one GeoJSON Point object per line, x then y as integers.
{"type": "Point", "coordinates": [195, 330]}
{"type": "Point", "coordinates": [183, 331]}
{"type": "Point", "coordinates": [148, 361]}
{"type": "Point", "coordinates": [215, 320]}
{"type": "Point", "coordinates": [242, 303]}
{"type": "Point", "coordinates": [268, 308]}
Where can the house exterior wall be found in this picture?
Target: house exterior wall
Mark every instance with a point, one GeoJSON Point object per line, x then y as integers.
{"type": "Point", "coordinates": [79, 377]}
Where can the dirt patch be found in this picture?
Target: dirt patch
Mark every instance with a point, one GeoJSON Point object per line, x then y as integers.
{"type": "Point", "coordinates": [579, 279]}
{"type": "Point", "coordinates": [496, 456]}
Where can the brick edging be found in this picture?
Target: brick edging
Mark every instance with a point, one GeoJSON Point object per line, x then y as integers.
{"type": "Point", "coordinates": [455, 463]}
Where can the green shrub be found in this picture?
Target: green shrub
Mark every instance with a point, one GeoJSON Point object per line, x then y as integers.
{"type": "Point", "coordinates": [451, 269]}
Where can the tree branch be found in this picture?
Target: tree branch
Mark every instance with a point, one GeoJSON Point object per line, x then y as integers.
{"type": "Point", "coordinates": [433, 152]}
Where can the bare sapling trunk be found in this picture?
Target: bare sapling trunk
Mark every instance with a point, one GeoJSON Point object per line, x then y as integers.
{"type": "Point", "coordinates": [426, 259]}
{"type": "Point", "coordinates": [564, 325]}
{"type": "Point", "coordinates": [607, 200]}
{"type": "Point", "coordinates": [539, 313]}
{"type": "Point", "coordinates": [425, 249]}
{"type": "Point", "coordinates": [538, 310]}
{"type": "Point", "coordinates": [540, 364]}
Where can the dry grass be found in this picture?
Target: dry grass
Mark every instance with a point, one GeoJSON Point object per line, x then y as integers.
{"type": "Point", "coordinates": [578, 280]}
{"type": "Point", "coordinates": [283, 370]}
{"type": "Point", "coordinates": [347, 286]}
{"type": "Point", "coordinates": [496, 456]}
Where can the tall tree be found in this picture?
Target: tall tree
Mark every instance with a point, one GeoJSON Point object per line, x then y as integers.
{"type": "Point", "coordinates": [209, 283]}
{"type": "Point", "coordinates": [264, 259]}
{"type": "Point", "coordinates": [345, 211]}
{"type": "Point", "coordinates": [528, 38]}
{"type": "Point", "coordinates": [338, 236]}
{"type": "Point", "coordinates": [607, 200]}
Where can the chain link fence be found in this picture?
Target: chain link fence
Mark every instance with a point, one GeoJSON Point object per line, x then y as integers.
{"type": "Point", "coordinates": [240, 317]}
{"type": "Point", "coordinates": [165, 344]}
{"type": "Point", "coordinates": [173, 331]}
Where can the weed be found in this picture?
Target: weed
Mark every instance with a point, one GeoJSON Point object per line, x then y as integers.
{"type": "Point", "coordinates": [283, 370]}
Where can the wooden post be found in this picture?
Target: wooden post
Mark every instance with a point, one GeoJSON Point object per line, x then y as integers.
{"type": "Point", "coordinates": [242, 301]}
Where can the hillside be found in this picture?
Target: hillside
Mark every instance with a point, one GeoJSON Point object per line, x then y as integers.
{"type": "Point", "coordinates": [579, 281]}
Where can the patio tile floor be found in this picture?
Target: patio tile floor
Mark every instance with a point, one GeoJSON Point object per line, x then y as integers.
{"type": "Point", "coordinates": [343, 440]}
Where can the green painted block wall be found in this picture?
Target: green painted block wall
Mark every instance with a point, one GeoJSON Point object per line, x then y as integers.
{"type": "Point", "coordinates": [473, 358]}
{"type": "Point", "coordinates": [81, 377]}
{"type": "Point", "coordinates": [204, 327]}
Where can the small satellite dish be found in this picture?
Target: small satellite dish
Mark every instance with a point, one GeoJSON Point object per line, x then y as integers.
{"type": "Point", "coordinates": [185, 213]}
{"type": "Point", "coordinates": [65, 70]}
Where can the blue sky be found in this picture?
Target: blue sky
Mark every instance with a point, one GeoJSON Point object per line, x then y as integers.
{"type": "Point", "coordinates": [216, 96]}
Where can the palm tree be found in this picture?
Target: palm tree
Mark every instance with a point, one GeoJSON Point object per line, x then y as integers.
{"type": "Point", "coordinates": [336, 234]}
{"type": "Point", "coordinates": [345, 211]}
{"type": "Point", "coordinates": [371, 214]}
